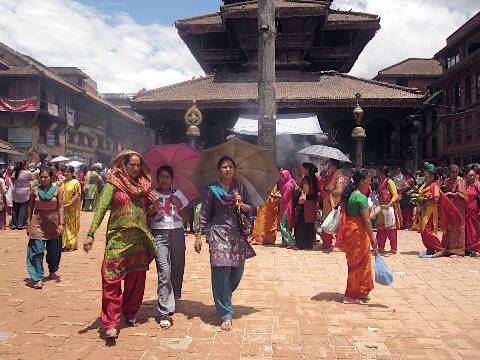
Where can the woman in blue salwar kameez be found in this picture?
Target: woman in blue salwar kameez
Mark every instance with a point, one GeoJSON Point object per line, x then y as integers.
{"type": "Point", "coordinates": [227, 245]}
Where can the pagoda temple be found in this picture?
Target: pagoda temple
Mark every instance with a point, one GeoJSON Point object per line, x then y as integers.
{"type": "Point", "coordinates": [316, 47]}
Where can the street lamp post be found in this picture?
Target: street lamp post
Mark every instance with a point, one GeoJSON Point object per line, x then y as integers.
{"type": "Point", "coordinates": [358, 133]}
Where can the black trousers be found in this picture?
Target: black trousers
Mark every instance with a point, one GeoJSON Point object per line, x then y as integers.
{"type": "Point", "coordinates": [19, 214]}
{"type": "Point", "coordinates": [304, 232]}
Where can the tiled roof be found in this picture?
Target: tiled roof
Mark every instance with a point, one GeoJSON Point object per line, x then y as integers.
{"type": "Point", "coordinates": [414, 66]}
{"type": "Point", "coordinates": [349, 16]}
{"type": "Point", "coordinates": [6, 145]}
{"type": "Point", "coordinates": [207, 19]}
{"type": "Point", "coordinates": [319, 88]}
{"type": "Point", "coordinates": [335, 17]}
{"type": "Point", "coordinates": [281, 4]}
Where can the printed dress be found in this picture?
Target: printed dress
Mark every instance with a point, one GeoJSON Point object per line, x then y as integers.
{"type": "Point", "coordinates": [72, 214]}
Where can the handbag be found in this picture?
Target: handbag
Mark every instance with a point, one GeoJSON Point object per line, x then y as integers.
{"type": "Point", "coordinates": [332, 222]}
{"type": "Point", "coordinates": [383, 275]}
{"type": "Point", "coordinates": [244, 221]}
{"type": "Point", "coordinates": [389, 216]}
{"type": "Point", "coordinates": [302, 198]}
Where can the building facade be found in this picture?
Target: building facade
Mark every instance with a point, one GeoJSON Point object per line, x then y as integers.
{"type": "Point", "coordinates": [51, 111]}
{"type": "Point", "coordinates": [458, 115]}
{"type": "Point", "coordinates": [413, 73]}
{"type": "Point", "coordinates": [315, 47]}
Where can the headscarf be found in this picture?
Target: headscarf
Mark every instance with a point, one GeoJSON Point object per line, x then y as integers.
{"type": "Point", "coordinates": [286, 187]}
{"type": "Point", "coordinates": [120, 178]}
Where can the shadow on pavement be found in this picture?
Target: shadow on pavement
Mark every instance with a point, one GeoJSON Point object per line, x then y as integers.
{"type": "Point", "coordinates": [337, 297]}
{"type": "Point", "coordinates": [410, 253]}
{"type": "Point", "coordinates": [207, 313]}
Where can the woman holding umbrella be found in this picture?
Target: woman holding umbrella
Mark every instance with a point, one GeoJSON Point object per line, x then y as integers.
{"type": "Point", "coordinates": [227, 245]}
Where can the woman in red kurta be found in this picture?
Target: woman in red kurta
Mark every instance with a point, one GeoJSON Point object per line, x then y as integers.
{"type": "Point", "coordinates": [472, 231]}
{"type": "Point", "coordinates": [453, 240]}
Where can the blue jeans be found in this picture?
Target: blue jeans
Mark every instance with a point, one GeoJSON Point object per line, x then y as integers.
{"type": "Point", "coordinates": [225, 280]}
{"type": "Point", "coordinates": [35, 253]}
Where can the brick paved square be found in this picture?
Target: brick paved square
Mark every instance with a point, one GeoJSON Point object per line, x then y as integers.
{"type": "Point", "coordinates": [288, 306]}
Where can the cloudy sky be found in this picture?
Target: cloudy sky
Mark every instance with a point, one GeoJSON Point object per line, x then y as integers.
{"type": "Point", "coordinates": [127, 45]}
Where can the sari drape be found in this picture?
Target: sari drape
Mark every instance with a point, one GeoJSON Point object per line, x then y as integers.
{"type": "Point", "coordinates": [265, 229]}
{"type": "Point", "coordinates": [356, 245]}
{"type": "Point", "coordinates": [72, 214]}
{"type": "Point", "coordinates": [453, 239]}
{"type": "Point", "coordinates": [472, 233]}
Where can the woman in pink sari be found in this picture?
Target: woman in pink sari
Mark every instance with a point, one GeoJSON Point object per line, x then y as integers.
{"type": "Point", "coordinates": [472, 230]}
{"type": "Point", "coordinates": [453, 240]}
{"type": "Point", "coordinates": [286, 215]}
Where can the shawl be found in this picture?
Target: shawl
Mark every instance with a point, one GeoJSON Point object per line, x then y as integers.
{"type": "Point", "coordinates": [46, 196]}
{"type": "Point", "coordinates": [225, 198]}
{"type": "Point", "coordinates": [448, 213]}
{"type": "Point", "coordinates": [286, 187]}
{"type": "Point", "coordinates": [121, 180]}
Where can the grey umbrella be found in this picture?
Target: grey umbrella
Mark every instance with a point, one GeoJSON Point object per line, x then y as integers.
{"type": "Point", "coordinates": [255, 168]}
{"type": "Point", "coordinates": [324, 152]}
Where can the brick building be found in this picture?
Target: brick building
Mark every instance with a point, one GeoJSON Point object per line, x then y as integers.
{"type": "Point", "coordinates": [459, 114]}
{"type": "Point", "coordinates": [412, 73]}
{"type": "Point", "coordinates": [58, 111]}
{"type": "Point", "coordinates": [315, 47]}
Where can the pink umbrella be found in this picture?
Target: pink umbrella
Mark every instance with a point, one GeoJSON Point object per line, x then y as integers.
{"type": "Point", "coordinates": [182, 158]}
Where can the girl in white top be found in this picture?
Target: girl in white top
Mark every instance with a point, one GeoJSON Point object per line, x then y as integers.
{"type": "Point", "coordinates": [167, 229]}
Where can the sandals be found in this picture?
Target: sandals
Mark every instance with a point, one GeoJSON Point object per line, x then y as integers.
{"type": "Point", "coordinates": [54, 276]}
{"type": "Point", "coordinates": [166, 322]}
{"type": "Point", "coordinates": [38, 285]}
{"type": "Point", "coordinates": [226, 325]}
{"type": "Point", "coordinates": [111, 334]}
{"type": "Point", "coordinates": [357, 301]}
{"type": "Point", "coordinates": [132, 322]}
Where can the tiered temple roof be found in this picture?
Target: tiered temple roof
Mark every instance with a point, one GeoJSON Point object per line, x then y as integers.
{"type": "Point", "coordinates": [310, 36]}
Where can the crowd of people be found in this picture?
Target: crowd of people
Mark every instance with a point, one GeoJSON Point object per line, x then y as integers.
{"type": "Point", "coordinates": [147, 224]}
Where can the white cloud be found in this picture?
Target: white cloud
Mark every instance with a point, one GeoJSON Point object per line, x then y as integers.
{"type": "Point", "coordinates": [410, 28]}
{"type": "Point", "coordinates": [121, 55]}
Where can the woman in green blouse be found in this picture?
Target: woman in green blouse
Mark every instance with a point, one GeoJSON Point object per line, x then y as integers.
{"type": "Point", "coordinates": [357, 238]}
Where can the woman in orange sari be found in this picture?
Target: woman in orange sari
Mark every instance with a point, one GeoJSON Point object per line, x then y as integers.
{"type": "Point", "coordinates": [356, 238]}
{"type": "Point", "coordinates": [332, 190]}
{"type": "Point", "coordinates": [265, 229]}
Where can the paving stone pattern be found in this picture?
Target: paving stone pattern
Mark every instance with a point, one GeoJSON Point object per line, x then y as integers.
{"type": "Point", "coordinates": [288, 306]}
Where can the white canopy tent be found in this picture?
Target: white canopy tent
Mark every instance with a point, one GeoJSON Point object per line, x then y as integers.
{"type": "Point", "coordinates": [287, 124]}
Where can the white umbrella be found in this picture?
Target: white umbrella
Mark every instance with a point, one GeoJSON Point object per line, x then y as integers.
{"type": "Point", "coordinates": [59, 159]}
{"type": "Point", "coordinates": [324, 152]}
{"type": "Point", "coordinates": [74, 163]}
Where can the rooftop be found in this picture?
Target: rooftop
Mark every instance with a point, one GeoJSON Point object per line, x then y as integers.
{"type": "Point", "coordinates": [318, 89]}
{"type": "Point", "coordinates": [471, 26]}
{"type": "Point", "coordinates": [31, 66]}
{"type": "Point", "coordinates": [414, 66]}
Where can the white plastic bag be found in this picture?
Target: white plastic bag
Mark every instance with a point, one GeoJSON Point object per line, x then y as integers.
{"type": "Point", "coordinates": [389, 216]}
{"type": "Point", "coordinates": [9, 196]}
{"type": "Point", "coordinates": [331, 223]}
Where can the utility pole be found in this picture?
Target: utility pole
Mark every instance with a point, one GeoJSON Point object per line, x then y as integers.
{"type": "Point", "coordinates": [267, 97]}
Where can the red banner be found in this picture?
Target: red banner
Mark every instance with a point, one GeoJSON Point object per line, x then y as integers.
{"type": "Point", "coordinates": [29, 104]}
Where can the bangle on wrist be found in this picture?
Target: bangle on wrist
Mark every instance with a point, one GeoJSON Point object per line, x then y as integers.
{"type": "Point", "coordinates": [91, 234]}
{"type": "Point", "coordinates": [61, 224]}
